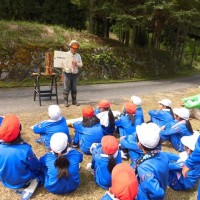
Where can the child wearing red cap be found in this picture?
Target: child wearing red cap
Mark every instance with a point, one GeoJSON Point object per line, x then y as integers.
{"type": "Point", "coordinates": [104, 157]}
{"type": "Point", "coordinates": [61, 166]}
{"type": "Point", "coordinates": [88, 131]}
{"type": "Point", "coordinates": [105, 114]}
{"type": "Point", "coordinates": [19, 165]}
{"type": "Point", "coordinates": [124, 184]}
{"type": "Point", "coordinates": [125, 123]}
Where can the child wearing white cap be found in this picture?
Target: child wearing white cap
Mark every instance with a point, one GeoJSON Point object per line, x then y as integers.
{"type": "Point", "coordinates": [139, 116]}
{"type": "Point", "coordinates": [152, 168]}
{"type": "Point", "coordinates": [164, 115]}
{"type": "Point", "coordinates": [174, 131]}
{"type": "Point", "coordinates": [61, 166]}
{"type": "Point", "coordinates": [192, 162]}
{"type": "Point", "coordinates": [55, 123]}
{"type": "Point", "coordinates": [176, 180]}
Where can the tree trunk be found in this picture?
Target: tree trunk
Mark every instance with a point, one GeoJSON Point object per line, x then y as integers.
{"type": "Point", "coordinates": [193, 54]}
{"type": "Point", "coordinates": [91, 16]}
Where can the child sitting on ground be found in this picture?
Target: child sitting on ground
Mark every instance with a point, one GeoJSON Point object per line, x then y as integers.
{"type": "Point", "coordinates": [174, 131]}
{"type": "Point", "coordinates": [56, 123]}
{"type": "Point", "coordinates": [87, 131]}
{"type": "Point", "coordinates": [176, 180]}
{"type": "Point", "coordinates": [125, 123]}
{"type": "Point", "coordinates": [152, 168]}
{"type": "Point", "coordinates": [192, 162]}
{"type": "Point", "coordinates": [124, 184]}
{"type": "Point", "coordinates": [164, 115]}
{"type": "Point", "coordinates": [139, 116]}
{"type": "Point", "coordinates": [104, 157]}
{"type": "Point", "coordinates": [19, 165]}
{"type": "Point", "coordinates": [61, 166]}
{"type": "Point", "coordinates": [105, 114]}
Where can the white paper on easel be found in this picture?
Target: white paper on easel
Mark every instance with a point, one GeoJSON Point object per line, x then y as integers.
{"type": "Point", "coordinates": [62, 59]}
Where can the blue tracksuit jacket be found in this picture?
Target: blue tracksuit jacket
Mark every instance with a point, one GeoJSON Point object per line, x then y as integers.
{"type": "Point", "coordinates": [139, 116]}
{"type": "Point", "coordinates": [194, 160]}
{"type": "Point", "coordinates": [100, 164]}
{"type": "Point", "coordinates": [47, 128]}
{"type": "Point", "coordinates": [153, 178]}
{"type": "Point", "coordinates": [125, 126]}
{"type": "Point", "coordinates": [161, 117]}
{"type": "Point", "coordinates": [86, 136]}
{"type": "Point", "coordinates": [18, 165]}
{"type": "Point", "coordinates": [130, 143]}
{"type": "Point", "coordinates": [62, 185]}
{"type": "Point", "coordinates": [174, 134]}
{"type": "Point", "coordinates": [176, 180]}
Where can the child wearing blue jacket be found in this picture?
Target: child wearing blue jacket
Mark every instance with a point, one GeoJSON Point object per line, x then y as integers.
{"type": "Point", "coordinates": [152, 168]}
{"type": "Point", "coordinates": [164, 115]}
{"type": "Point", "coordinates": [56, 123]}
{"type": "Point", "coordinates": [104, 157]}
{"type": "Point", "coordinates": [139, 116]}
{"type": "Point", "coordinates": [129, 148]}
{"type": "Point", "coordinates": [18, 164]}
{"type": "Point", "coordinates": [125, 123]}
{"type": "Point", "coordinates": [106, 117]}
{"type": "Point", "coordinates": [192, 162]}
{"type": "Point", "coordinates": [174, 131]}
{"type": "Point", "coordinates": [61, 166]}
{"type": "Point", "coordinates": [88, 131]}
{"type": "Point", "coordinates": [176, 180]}
{"type": "Point", "coordinates": [124, 184]}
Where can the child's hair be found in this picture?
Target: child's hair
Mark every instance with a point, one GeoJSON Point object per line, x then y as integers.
{"type": "Point", "coordinates": [189, 126]}
{"type": "Point", "coordinates": [111, 163]}
{"type": "Point", "coordinates": [171, 111]}
{"type": "Point", "coordinates": [131, 117]}
{"type": "Point", "coordinates": [18, 140]}
{"type": "Point", "coordinates": [62, 164]}
{"type": "Point", "coordinates": [90, 121]}
{"type": "Point", "coordinates": [110, 116]}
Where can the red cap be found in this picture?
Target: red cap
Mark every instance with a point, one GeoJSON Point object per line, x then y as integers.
{"type": "Point", "coordinates": [130, 108]}
{"type": "Point", "coordinates": [109, 144]}
{"type": "Point", "coordinates": [104, 104]}
{"type": "Point", "coordinates": [88, 111]}
{"type": "Point", "coordinates": [124, 182]}
{"type": "Point", "coordinates": [10, 128]}
{"type": "Point", "coordinates": [74, 46]}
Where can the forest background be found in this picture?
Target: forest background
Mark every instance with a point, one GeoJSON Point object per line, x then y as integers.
{"type": "Point", "coordinates": [120, 39]}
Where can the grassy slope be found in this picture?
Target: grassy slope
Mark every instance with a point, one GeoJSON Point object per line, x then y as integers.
{"type": "Point", "coordinates": [23, 34]}
{"type": "Point", "coordinates": [88, 190]}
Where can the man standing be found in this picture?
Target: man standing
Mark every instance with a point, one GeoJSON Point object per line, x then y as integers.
{"type": "Point", "coordinates": [70, 73]}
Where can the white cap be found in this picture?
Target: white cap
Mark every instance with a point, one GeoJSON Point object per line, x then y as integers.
{"type": "Point", "coordinates": [54, 112]}
{"type": "Point", "coordinates": [58, 142]}
{"type": "Point", "coordinates": [166, 102]}
{"type": "Point", "coordinates": [148, 134]}
{"type": "Point", "coordinates": [73, 41]}
{"type": "Point", "coordinates": [136, 100]}
{"type": "Point", "coordinates": [182, 113]}
{"type": "Point", "coordinates": [190, 141]}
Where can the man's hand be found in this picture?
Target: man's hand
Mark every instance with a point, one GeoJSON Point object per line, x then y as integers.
{"type": "Point", "coordinates": [185, 170]}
